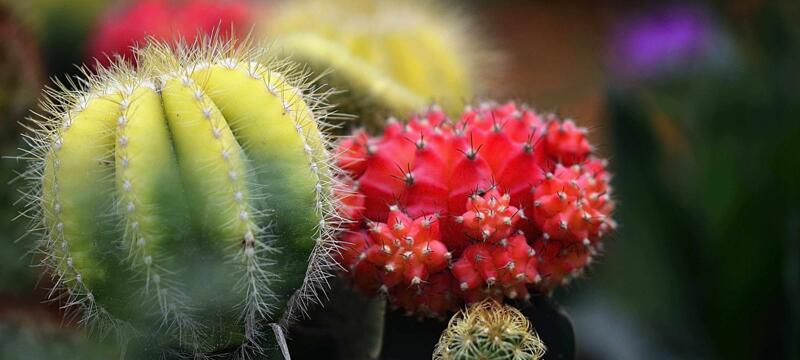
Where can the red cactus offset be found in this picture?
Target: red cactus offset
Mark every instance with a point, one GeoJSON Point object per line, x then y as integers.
{"type": "Point", "coordinates": [572, 204]}
{"type": "Point", "coordinates": [498, 203]}
{"type": "Point", "coordinates": [490, 217]}
{"type": "Point", "coordinates": [566, 142]}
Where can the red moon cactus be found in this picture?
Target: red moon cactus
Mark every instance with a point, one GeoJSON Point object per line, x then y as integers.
{"type": "Point", "coordinates": [496, 204]}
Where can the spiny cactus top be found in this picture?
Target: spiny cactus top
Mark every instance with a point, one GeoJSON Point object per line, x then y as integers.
{"type": "Point", "coordinates": [491, 331]}
{"type": "Point", "coordinates": [501, 201]}
{"type": "Point", "coordinates": [189, 198]}
{"type": "Point", "coordinates": [388, 55]}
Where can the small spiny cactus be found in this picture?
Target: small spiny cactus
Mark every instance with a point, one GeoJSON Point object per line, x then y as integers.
{"type": "Point", "coordinates": [391, 57]}
{"type": "Point", "coordinates": [489, 331]}
{"type": "Point", "coordinates": [188, 199]}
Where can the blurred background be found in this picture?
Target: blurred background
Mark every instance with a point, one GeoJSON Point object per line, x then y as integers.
{"type": "Point", "coordinates": [696, 103]}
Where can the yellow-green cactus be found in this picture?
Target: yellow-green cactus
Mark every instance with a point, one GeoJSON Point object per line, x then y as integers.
{"type": "Point", "coordinates": [190, 198]}
{"type": "Point", "coordinates": [489, 331]}
{"type": "Point", "coordinates": [388, 56]}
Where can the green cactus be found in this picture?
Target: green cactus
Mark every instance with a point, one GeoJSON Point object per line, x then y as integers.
{"type": "Point", "coordinates": [190, 198]}
{"type": "Point", "coordinates": [489, 331]}
{"type": "Point", "coordinates": [390, 57]}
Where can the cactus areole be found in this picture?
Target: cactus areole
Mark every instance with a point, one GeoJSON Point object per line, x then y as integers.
{"type": "Point", "coordinates": [189, 198]}
{"type": "Point", "coordinates": [499, 202]}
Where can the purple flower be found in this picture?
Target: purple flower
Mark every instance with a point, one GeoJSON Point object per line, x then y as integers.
{"type": "Point", "coordinates": [666, 40]}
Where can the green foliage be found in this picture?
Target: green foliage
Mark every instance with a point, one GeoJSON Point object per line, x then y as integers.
{"type": "Point", "coordinates": [708, 181]}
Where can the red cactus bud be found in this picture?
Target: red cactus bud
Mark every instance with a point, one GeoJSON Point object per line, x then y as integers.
{"type": "Point", "coordinates": [572, 205]}
{"type": "Point", "coordinates": [490, 217]}
{"type": "Point", "coordinates": [566, 143]}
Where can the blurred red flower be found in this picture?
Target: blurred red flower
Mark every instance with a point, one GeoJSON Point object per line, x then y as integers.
{"type": "Point", "coordinates": [120, 29]}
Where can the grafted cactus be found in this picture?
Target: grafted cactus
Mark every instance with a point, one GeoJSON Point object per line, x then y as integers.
{"type": "Point", "coordinates": [501, 202]}
{"type": "Point", "coordinates": [190, 198]}
{"type": "Point", "coordinates": [491, 331]}
{"type": "Point", "coordinates": [391, 57]}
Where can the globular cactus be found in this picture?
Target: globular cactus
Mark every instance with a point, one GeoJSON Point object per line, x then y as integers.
{"type": "Point", "coordinates": [189, 198]}
{"type": "Point", "coordinates": [389, 57]}
{"type": "Point", "coordinates": [118, 30]}
{"type": "Point", "coordinates": [489, 331]}
{"type": "Point", "coordinates": [498, 203]}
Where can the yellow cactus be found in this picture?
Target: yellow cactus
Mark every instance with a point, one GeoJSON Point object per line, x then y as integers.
{"type": "Point", "coordinates": [389, 57]}
{"type": "Point", "coordinates": [489, 331]}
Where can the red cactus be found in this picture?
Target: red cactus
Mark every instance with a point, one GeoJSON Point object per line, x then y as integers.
{"type": "Point", "coordinates": [351, 202]}
{"type": "Point", "coordinates": [119, 30]}
{"type": "Point", "coordinates": [492, 205]}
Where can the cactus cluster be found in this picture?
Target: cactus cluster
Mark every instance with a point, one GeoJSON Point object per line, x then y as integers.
{"type": "Point", "coordinates": [489, 330]}
{"type": "Point", "coordinates": [499, 202]}
{"type": "Point", "coordinates": [189, 199]}
{"type": "Point", "coordinates": [388, 57]}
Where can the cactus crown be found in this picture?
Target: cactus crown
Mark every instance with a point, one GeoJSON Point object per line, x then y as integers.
{"type": "Point", "coordinates": [489, 330]}
{"type": "Point", "coordinates": [190, 198]}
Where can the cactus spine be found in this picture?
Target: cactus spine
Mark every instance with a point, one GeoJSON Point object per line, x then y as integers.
{"type": "Point", "coordinates": [492, 331]}
{"type": "Point", "coordinates": [391, 57]}
{"type": "Point", "coordinates": [190, 198]}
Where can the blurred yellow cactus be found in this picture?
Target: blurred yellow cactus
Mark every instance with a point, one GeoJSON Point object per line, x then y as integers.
{"type": "Point", "coordinates": [389, 57]}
